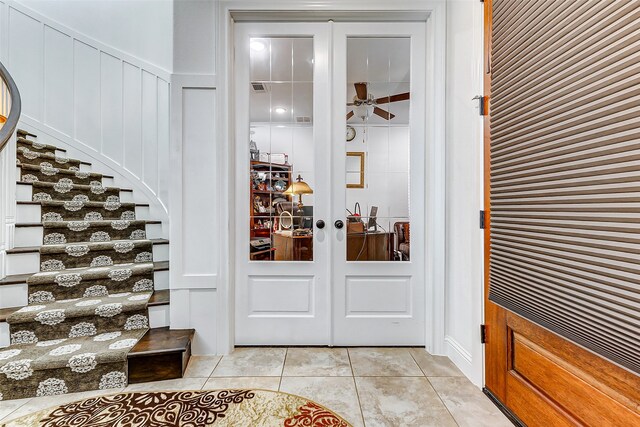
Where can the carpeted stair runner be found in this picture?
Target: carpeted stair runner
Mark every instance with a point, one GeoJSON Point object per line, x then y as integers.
{"type": "Point", "coordinates": [88, 305]}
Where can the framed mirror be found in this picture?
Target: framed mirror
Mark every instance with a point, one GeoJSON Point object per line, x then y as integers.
{"type": "Point", "coordinates": [355, 169]}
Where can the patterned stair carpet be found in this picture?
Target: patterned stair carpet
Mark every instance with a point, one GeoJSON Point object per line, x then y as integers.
{"type": "Point", "coordinates": [256, 408]}
{"type": "Point", "coordinates": [88, 304]}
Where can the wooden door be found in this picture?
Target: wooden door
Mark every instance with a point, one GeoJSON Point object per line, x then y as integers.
{"type": "Point", "coordinates": [540, 377]}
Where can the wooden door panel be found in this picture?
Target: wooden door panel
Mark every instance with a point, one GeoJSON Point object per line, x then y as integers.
{"type": "Point", "coordinates": [559, 376]}
{"type": "Point", "coordinates": [540, 411]}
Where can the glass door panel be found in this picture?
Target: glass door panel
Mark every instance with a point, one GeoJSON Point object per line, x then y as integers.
{"type": "Point", "coordinates": [281, 164]}
{"type": "Point", "coordinates": [377, 149]}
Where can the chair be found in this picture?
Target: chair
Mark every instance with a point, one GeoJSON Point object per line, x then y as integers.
{"type": "Point", "coordinates": [403, 240]}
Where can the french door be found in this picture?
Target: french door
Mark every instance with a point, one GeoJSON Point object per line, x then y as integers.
{"type": "Point", "coordinates": [330, 184]}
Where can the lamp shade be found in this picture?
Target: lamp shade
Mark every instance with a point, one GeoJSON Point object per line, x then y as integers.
{"type": "Point", "coordinates": [298, 187]}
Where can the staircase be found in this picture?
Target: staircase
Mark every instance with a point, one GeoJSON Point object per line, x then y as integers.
{"type": "Point", "coordinates": [86, 298]}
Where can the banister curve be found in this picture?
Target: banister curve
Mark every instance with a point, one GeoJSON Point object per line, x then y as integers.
{"type": "Point", "coordinates": [16, 107]}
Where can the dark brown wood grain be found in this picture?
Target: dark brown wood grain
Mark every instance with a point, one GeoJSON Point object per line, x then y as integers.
{"type": "Point", "coordinates": [162, 354]}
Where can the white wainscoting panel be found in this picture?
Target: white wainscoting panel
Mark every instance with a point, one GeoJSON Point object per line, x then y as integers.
{"type": "Point", "coordinates": [25, 61]}
{"type": "Point", "coordinates": [132, 89]}
{"type": "Point", "coordinates": [111, 107]}
{"type": "Point", "coordinates": [374, 296]}
{"type": "Point", "coordinates": [58, 80]}
{"type": "Point", "coordinates": [281, 296]}
{"type": "Point", "coordinates": [199, 178]}
{"type": "Point", "coordinates": [101, 104]}
{"type": "Point", "coordinates": [87, 94]}
{"type": "Point", "coordinates": [149, 140]}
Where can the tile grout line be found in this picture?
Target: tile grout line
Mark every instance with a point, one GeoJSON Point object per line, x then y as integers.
{"type": "Point", "coordinates": [434, 389]}
{"type": "Point", "coordinates": [355, 385]}
{"type": "Point", "coordinates": [214, 368]}
{"type": "Point", "coordinates": [424, 374]}
{"type": "Point", "coordinates": [6, 417]}
{"type": "Point", "coordinates": [443, 402]}
{"type": "Point", "coordinates": [284, 362]}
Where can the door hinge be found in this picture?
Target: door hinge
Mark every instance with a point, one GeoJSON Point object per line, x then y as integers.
{"type": "Point", "coordinates": [483, 334]}
{"type": "Point", "coordinates": [481, 104]}
{"type": "Point", "coordinates": [482, 220]}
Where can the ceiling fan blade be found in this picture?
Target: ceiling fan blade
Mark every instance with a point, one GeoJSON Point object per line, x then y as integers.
{"type": "Point", "coordinates": [361, 91]}
{"type": "Point", "coordinates": [350, 104]}
{"type": "Point", "coordinates": [349, 114]}
{"type": "Point", "coordinates": [393, 98]}
{"type": "Point", "coordinates": [384, 114]}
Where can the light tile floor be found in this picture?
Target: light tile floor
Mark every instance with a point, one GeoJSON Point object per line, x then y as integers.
{"type": "Point", "coordinates": [369, 387]}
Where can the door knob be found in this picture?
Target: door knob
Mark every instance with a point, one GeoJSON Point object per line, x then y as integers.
{"type": "Point", "coordinates": [320, 223]}
{"type": "Point", "coordinates": [339, 224]}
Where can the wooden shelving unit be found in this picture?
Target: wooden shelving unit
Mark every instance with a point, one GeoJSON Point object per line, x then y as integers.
{"type": "Point", "coordinates": [275, 171]}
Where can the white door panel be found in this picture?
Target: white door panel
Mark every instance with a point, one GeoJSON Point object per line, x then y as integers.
{"type": "Point", "coordinates": [315, 295]}
{"type": "Point", "coordinates": [283, 301]}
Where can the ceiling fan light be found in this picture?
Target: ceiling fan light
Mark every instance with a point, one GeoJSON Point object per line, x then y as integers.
{"type": "Point", "coordinates": [363, 111]}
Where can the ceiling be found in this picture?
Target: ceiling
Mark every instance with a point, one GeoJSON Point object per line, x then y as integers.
{"type": "Point", "coordinates": [285, 66]}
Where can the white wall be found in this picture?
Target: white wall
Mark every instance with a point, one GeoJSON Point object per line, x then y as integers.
{"type": "Point", "coordinates": [103, 105]}
{"type": "Point", "coordinates": [141, 28]}
{"type": "Point", "coordinates": [463, 285]}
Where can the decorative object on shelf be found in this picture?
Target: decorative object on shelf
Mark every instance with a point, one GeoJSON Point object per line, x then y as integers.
{"type": "Point", "coordinates": [354, 220]}
{"type": "Point", "coordinates": [299, 187]}
{"type": "Point", "coordinates": [285, 221]}
{"type": "Point", "coordinates": [280, 185]}
{"type": "Point", "coordinates": [253, 149]}
{"type": "Point", "coordinates": [279, 158]}
{"type": "Point", "coordinates": [355, 169]}
{"type": "Point", "coordinates": [351, 133]}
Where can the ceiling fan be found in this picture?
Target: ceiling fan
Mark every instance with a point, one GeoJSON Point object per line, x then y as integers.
{"type": "Point", "coordinates": [365, 104]}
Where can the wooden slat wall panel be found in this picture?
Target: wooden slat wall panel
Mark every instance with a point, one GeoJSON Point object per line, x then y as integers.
{"type": "Point", "coordinates": [565, 170]}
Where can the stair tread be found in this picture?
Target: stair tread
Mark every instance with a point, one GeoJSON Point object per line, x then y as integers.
{"type": "Point", "coordinates": [161, 297]}
{"type": "Point", "coordinates": [162, 340]}
{"type": "Point", "coordinates": [27, 167]}
{"type": "Point", "coordinates": [25, 132]}
{"type": "Point", "coordinates": [77, 186]}
{"type": "Point", "coordinates": [55, 354]}
{"type": "Point", "coordinates": [47, 146]}
{"type": "Point", "coordinates": [104, 222]}
{"type": "Point", "coordinates": [89, 204]}
{"type": "Point", "coordinates": [22, 278]}
{"type": "Point", "coordinates": [126, 302]}
{"type": "Point", "coordinates": [30, 249]}
{"type": "Point", "coordinates": [45, 156]}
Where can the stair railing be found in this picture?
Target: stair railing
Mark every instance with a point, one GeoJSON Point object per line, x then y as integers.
{"type": "Point", "coordinates": [10, 107]}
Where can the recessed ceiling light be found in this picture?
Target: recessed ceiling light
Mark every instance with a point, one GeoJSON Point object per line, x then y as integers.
{"type": "Point", "coordinates": [280, 110]}
{"type": "Point", "coordinates": [257, 45]}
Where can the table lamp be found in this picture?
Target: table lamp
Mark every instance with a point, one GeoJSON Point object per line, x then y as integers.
{"type": "Point", "coordinates": [298, 187]}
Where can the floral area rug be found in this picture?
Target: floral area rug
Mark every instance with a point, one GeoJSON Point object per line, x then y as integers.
{"type": "Point", "coordinates": [238, 408]}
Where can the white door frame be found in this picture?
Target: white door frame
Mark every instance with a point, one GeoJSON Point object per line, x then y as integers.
{"type": "Point", "coordinates": [344, 10]}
